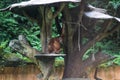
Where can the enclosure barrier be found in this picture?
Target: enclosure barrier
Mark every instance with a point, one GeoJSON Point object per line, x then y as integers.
{"type": "Point", "coordinates": [76, 79]}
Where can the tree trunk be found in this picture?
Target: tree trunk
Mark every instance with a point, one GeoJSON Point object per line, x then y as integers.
{"type": "Point", "coordinates": [72, 60]}
{"type": "Point", "coordinates": [47, 18]}
{"type": "Point", "coordinates": [75, 67]}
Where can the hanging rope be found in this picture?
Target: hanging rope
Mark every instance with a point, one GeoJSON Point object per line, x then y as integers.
{"type": "Point", "coordinates": [118, 35]}
{"type": "Point", "coordinates": [79, 39]}
{"type": "Point", "coordinates": [79, 31]}
{"type": "Point", "coordinates": [80, 21]}
{"type": "Point", "coordinates": [93, 53]}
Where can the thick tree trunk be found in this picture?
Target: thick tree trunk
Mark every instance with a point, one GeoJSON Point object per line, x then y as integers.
{"type": "Point", "coordinates": [73, 59]}
{"type": "Point", "coordinates": [75, 67]}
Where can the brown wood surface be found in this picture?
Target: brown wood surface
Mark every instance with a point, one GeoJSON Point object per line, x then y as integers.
{"type": "Point", "coordinates": [30, 72]}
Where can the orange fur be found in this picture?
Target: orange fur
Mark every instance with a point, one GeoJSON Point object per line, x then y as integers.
{"type": "Point", "coordinates": [54, 45]}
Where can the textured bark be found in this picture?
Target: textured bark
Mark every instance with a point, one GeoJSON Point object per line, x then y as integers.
{"type": "Point", "coordinates": [71, 69]}
{"type": "Point", "coordinates": [22, 46]}
{"type": "Point", "coordinates": [75, 67]}
{"type": "Point", "coordinates": [45, 26]}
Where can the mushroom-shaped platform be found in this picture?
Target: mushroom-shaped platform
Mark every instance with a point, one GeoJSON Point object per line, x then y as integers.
{"type": "Point", "coordinates": [31, 8]}
{"type": "Point", "coordinates": [36, 2]}
{"type": "Point", "coordinates": [46, 62]}
{"type": "Point", "coordinates": [41, 2]}
{"type": "Point", "coordinates": [48, 56]}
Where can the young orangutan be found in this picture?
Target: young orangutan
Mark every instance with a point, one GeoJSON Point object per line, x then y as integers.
{"type": "Point", "coordinates": [54, 45]}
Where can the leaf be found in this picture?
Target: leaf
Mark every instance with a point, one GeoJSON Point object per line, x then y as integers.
{"type": "Point", "coordinates": [11, 21]}
{"type": "Point", "coordinates": [36, 32]}
{"type": "Point", "coordinates": [117, 60]}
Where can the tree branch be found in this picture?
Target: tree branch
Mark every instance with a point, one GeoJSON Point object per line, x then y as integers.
{"type": "Point", "coordinates": [101, 35]}
{"type": "Point", "coordinates": [106, 26]}
{"type": "Point", "coordinates": [59, 10]}
{"type": "Point", "coordinates": [23, 47]}
{"type": "Point", "coordinates": [100, 57]}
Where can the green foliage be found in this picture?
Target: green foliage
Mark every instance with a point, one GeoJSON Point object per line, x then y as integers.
{"type": "Point", "coordinates": [117, 60]}
{"type": "Point", "coordinates": [3, 44]}
{"type": "Point", "coordinates": [12, 25]}
{"type": "Point", "coordinates": [5, 47]}
{"type": "Point", "coordinates": [72, 5]}
{"type": "Point", "coordinates": [6, 55]}
{"type": "Point", "coordinates": [33, 36]}
{"type": "Point", "coordinates": [106, 64]}
{"type": "Point", "coordinates": [114, 3]}
{"type": "Point", "coordinates": [59, 62]}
